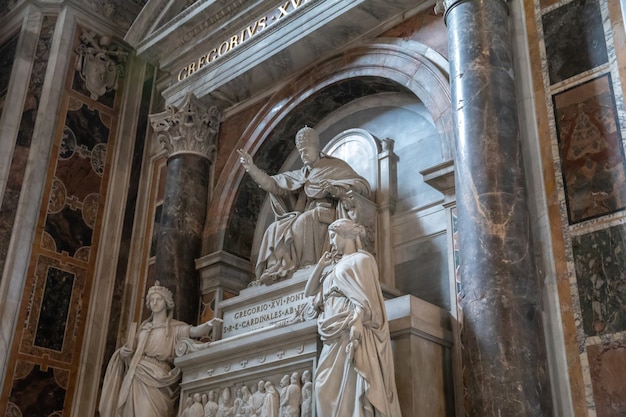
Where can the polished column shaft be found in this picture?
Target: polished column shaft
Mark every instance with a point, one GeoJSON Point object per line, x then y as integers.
{"type": "Point", "coordinates": [189, 134]}
{"type": "Point", "coordinates": [504, 360]}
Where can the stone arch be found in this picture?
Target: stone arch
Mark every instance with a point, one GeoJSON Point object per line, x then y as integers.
{"type": "Point", "coordinates": [384, 64]}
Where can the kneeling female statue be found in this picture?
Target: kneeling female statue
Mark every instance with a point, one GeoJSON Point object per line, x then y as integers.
{"type": "Point", "coordinates": [141, 379]}
{"type": "Point", "coordinates": [355, 374]}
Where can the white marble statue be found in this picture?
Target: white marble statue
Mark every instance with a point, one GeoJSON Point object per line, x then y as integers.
{"type": "Point", "coordinates": [141, 379]}
{"type": "Point", "coordinates": [304, 202]}
{"type": "Point", "coordinates": [355, 373]}
{"type": "Point", "coordinates": [227, 404]}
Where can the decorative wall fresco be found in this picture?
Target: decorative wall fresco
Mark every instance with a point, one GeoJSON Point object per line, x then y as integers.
{"type": "Point", "coordinates": [600, 259]}
{"type": "Point", "coordinates": [590, 145]}
{"type": "Point", "coordinates": [569, 30]}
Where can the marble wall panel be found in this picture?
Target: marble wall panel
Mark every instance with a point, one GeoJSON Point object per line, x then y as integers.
{"type": "Point", "coordinates": [590, 145]}
{"type": "Point", "coordinates": [61, 267]}
{"type": "Point", "coordinates": [607, 363]}
{"type": "Point", "coordinates": [425, 27]}
{"type": "Point", "coordinates": [55, 306]}
{"type": "Point", "coordinates": [12, 193]}
{"type": "Point", "coordinates": [600, 270]}
{"type": "Point", "coordinates": [574, 39]}
{"type": "Point", "coordinates": [38, 391]}
{"type": "Point", "coordinates": [74, 200]}
{"type": "Point", "coordinates": [7, 54]}
{"type": "Point", "coordinates": [119, 314]}
{"type": "Point", "coordinates": [52, 320]}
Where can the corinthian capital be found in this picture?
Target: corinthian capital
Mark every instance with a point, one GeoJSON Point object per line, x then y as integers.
{"type": "Point", "coordinates": [190, 128]}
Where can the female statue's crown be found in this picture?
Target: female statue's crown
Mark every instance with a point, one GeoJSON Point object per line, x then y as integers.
{"type": "Point", "coordinates": [163, 292]}
{"type": "Point", "coordinates": [307, 137]}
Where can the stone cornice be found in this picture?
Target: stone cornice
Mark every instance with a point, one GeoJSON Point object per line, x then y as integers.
{"type": "Point", "coordinates": [190, 128]}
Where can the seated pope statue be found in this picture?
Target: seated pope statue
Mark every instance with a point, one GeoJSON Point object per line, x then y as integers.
{"type": "Point", "coordinates": [141, 379]}
{"type": "Point", "coordinates": [304, 202]}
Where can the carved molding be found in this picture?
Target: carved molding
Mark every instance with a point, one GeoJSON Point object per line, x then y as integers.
{"type": "Point", "coordinates": [191, 128]}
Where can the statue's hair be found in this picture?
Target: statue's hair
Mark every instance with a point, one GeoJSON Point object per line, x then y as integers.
{"type": "Point", "coordinates": [307, 137]}
{"type": "Point", "coordinates": [349, 229]}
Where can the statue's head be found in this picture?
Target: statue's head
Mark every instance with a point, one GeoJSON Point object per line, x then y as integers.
{"type": "Point", "coordinates": [347, 229]}
{"type": "Point", "coordinates": [163, 292]}
{"type": "Point", "coordinates": [307, 137]}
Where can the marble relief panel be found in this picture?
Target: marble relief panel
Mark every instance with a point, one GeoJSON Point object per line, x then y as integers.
{"type": "Point", "coordinates": [590, 146]}
{"type": "Point", "coordinates": [37, 391]}
{"type": "Point", "coordinates": [568, 30]}
{"type": "Point", "coordinates": [600, 260]}
{"type": "Point", "coordinates": [99, 67]}
{"type": "Point", "coordinates": [607, 365]}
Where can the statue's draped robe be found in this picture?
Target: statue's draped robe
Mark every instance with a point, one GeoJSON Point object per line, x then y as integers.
{"type": "Point", "coordinates": [303, 211]}
{"type": "Point", "coordinates": [366, 386]}
{"type": "Point", "coordinates": [148, 384]}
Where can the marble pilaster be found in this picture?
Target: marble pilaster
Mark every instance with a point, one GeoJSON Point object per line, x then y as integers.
{"type": "Point", "coordinates": [504, 360]}
{"type": "Point", "coordinates": [189, 135]}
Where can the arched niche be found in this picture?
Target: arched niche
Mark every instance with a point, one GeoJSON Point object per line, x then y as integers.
{"type": "Point", "coordinates": [382, 66]}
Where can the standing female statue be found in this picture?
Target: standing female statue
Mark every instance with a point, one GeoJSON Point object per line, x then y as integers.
{"type": "Point", "coordinates": [304, 202]}
{"type": "Point", "coordinates": [355, 374]}
{"type": "Point", "coordinates": [141, 379]}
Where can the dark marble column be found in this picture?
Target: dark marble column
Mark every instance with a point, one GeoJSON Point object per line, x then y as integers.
{"type": "Point", "coordinates": [189, 133]}
{"type": "Point", "coordinates": [504, 359]}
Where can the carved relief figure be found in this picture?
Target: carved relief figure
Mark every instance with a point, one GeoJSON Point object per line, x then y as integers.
{"type": "Point", "coordinates": [307, 394]}
{"type": "Point", "coordinates": [211, 407]}
{"type": "Point", "coordinates": [141, 378]}
{"type": "Point", "coordinates": [245, 408]}
{"type": "Point", "coordinates": [227, 404]}
{"type": "Point", "coordinates": [196, 409]}
{"type": "Point", "coordinates": [271, 403]}
{"type": "Point", "coordinates": [256, 402]}
{"type": "Point", "coordinates": [290, 401]}
{"type": "Point", "coordinates": [355, 374]}
{"type": "Point", "coordinates": [304, 202]}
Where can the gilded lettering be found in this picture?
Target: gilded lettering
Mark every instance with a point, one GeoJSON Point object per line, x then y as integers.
{"type": "Point", "coordinates": [191, 68]}
{"type": "Point", "coordinates": [296, 3]}
{"type": "Point", "coordinates": [262, 22]}
{"type": "Point", "coordinates": [182, 74]}
{"type": "Point", "coordinates": [252, 29]}
{"type": "Point", "coordinates": [283, 10]}
{"type": "Point", "coordinates": [224, 44]}
{"type": "Point", "coordinates": [234, 42]}
{"type": "Point", "coordinates": [201, 61]}
{"type": "Point", "coordinates": [212, 55]}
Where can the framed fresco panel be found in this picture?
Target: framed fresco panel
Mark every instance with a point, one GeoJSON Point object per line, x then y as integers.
{"type": "Point", "coordinates": [590, 148]}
